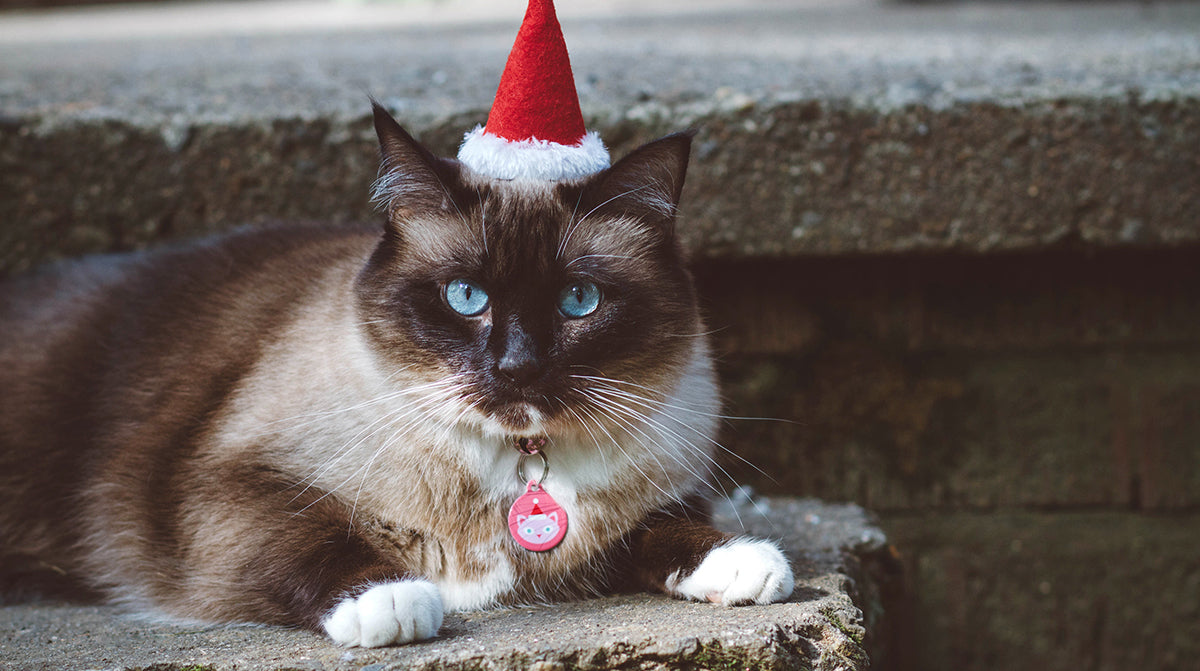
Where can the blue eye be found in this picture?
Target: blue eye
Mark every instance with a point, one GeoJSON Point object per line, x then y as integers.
{"type": "Point", "coordinates": [466, 298]}
{"type": "Point", "coordinates": [579, 300]}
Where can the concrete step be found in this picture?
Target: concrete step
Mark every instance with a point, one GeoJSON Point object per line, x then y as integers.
{"type": "Point", "coordinates": [826, 127]}
{"type": "Point", "coordinates": [837, 551]}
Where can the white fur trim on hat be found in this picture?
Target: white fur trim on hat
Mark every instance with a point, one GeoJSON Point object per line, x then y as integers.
{"type": "Point", "coordinates": [499, 158]}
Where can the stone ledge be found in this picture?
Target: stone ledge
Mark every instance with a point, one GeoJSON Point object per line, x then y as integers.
{"type": "Point", "coordinates": [825, 128]}
{"type": "Point", "coordinates": [822, 627]}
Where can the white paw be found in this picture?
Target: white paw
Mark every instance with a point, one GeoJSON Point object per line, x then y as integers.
{"type": "Point", "coordinates": [394, 612]}
{"type": "Point", "coordinates": [743, 571]}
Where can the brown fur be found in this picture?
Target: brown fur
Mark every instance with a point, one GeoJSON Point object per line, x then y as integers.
{"type": "Point", "coordinates": [221, 431]}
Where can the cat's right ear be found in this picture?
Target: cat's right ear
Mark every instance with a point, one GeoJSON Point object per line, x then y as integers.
{"type": "Point", "coordinates": [412, 180]}
{"type": "Point", "coordinates": [647, 182]}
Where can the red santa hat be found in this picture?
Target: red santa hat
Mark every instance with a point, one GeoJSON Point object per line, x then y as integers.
{"type": "Point", "coordinates": [535, 129]}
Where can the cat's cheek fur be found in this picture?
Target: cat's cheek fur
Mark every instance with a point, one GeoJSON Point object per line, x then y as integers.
{"type": "Point", "coordinates": [742, 571]}
{"type": "Point", "coordinates": [387, 614]}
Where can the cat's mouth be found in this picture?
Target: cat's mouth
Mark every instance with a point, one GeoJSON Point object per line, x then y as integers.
{"type": "Point", "coordinates": [518, 418]}
{"type": "Point", "coordinates": [516, 414]}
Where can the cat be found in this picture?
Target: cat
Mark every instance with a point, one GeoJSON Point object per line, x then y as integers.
{"type": "Point", "coordinates": [314, 426]}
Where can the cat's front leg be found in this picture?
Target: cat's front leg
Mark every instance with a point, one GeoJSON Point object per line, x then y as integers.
{"type": "Point", "coordinates": [299, 559]}
{"type": "Point", "coordinates": [692, 560]}
{"type": "Point", "coordinates": [386, 614]}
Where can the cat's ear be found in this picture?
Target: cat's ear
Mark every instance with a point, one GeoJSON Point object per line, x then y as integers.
{"type": "Point", "coordinates": [647, 182]}
{"type": "Point", "coordinates": [411, 178]}
{"type": "Point", "coordinates": [521, 519]}
{"type": "Point", "coordinates": [554, 516]}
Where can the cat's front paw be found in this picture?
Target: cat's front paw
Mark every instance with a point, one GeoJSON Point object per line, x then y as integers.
{"type": "Point", "coordinates": [387, 614]}
{"type": "Point", "coordinates": [740, 572]}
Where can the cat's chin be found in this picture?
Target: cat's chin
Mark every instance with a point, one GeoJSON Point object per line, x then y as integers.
{"type": "Point", "coordinates": [518, 419]}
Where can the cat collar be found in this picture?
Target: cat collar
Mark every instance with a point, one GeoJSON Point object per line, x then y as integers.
{"type": "Point", "coordinates": [527, 445]}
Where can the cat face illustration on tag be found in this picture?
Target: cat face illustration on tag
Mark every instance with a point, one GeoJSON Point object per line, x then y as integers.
{"type": "Point", "coordinates": [535, 520]}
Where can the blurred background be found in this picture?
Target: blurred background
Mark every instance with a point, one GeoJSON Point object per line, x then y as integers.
{"type": "Point", "coordinates": [954, 246]}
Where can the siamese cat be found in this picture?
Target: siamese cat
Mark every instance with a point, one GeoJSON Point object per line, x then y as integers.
{"type": "Point", "coordinates": [326, 427]}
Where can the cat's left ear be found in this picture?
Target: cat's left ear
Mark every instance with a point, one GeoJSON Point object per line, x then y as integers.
{"type": "Point", "coordinates": [647, 182]}
{"type": "Point", "coordinates": [412, 179]}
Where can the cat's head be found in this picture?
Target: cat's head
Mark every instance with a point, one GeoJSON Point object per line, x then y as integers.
{"type": "Point", "coordinates": [538, 528]}
{"type": "Point", "coordinates": [531, 306]}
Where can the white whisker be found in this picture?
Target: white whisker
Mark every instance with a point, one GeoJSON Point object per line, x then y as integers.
{"type": "Point", "coordinates": [665, 419]}
{"type": "Point", "coordinates": [630, 459]}
{"type": "Point", "coordinates": [631, 419]}
{"type": "Point", "coordinates": [482, 220]}
{"type": "Point", "coordinates": [603, 457]}
{"type": "Point", "coordinates": [693, 411]}
{"type": "Point", "coordinates": [574, 225]}
{"type": "Point", "coordinates": [399, 420]}
{"type": "Point", "coordinates": [599, 256]}
{"type": "Point", "coordinates": [680, 441]}
{"type": "Point", "coordinates": [653, 404]}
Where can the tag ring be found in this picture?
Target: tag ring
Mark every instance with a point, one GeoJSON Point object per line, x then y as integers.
{"type": "Point", "coordinates": [521, 466]}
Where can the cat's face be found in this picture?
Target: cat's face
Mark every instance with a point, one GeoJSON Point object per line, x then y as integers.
{"type": "Point", "coordinates": [532, 306]}
{"type": "Point", "coordinates": [538, 529]}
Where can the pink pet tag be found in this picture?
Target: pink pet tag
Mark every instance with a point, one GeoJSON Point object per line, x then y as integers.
{"type": "Point", "coordinates": [536, 520]}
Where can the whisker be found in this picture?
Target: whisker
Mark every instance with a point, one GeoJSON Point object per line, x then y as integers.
{"type": "Point", "coordinates": [574, 225]}
{"type": "Point", "coordinates": [709, 461]}
{"type": "Point", "coordinates": [383, 398]}
{"type": "Point", "coordinates": [693, 411]}
{"type": "Point", "coordinates": [562, 243]}
{"type": "Point", "coordinates": [631, 421]}
{"type": "Point", "coordinates": [345, 450]}
{"type": "Point", "coordinates": [482, 219]}
{"type": "Point", "coordinates": [617, 444]}
{"type": "Point", "coordinates": [600, 256]}
{"type": "Point", "coordinates": [682, 442]}
{"type": "Point", "coordinates": [603, 458]}
{"type": "Point", "coordinates": [651, 403]}
{"type": "Point", "coordinates": [397, 434]}
{"type": "Point", "coordinates": [407, 417]}
{"type": "Point", "coordinates": [696, 335]}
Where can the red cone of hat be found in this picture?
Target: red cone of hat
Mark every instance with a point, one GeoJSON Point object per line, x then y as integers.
{"type": "Point", "coordinates": [535, 129]}
{"type": "Point", "coordinates": [537, 98]}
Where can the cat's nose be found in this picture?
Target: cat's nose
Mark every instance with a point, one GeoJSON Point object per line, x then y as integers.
{"type": "Point", "coordinates": [518, 366]}
{"type": "Point", "coordinates": [518, 362]}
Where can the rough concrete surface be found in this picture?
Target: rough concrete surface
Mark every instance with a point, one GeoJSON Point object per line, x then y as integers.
{"type": "Point", "coordinates": [822, 627]}
{"type": "Point", "coordinates": [825, 127]}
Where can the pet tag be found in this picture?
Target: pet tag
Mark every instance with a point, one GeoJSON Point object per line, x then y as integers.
{"type": "Point", "coordinates": [535, 520]}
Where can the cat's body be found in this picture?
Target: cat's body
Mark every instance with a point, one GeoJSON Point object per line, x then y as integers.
{"type": "Point", "coordinates": [293, 426]}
